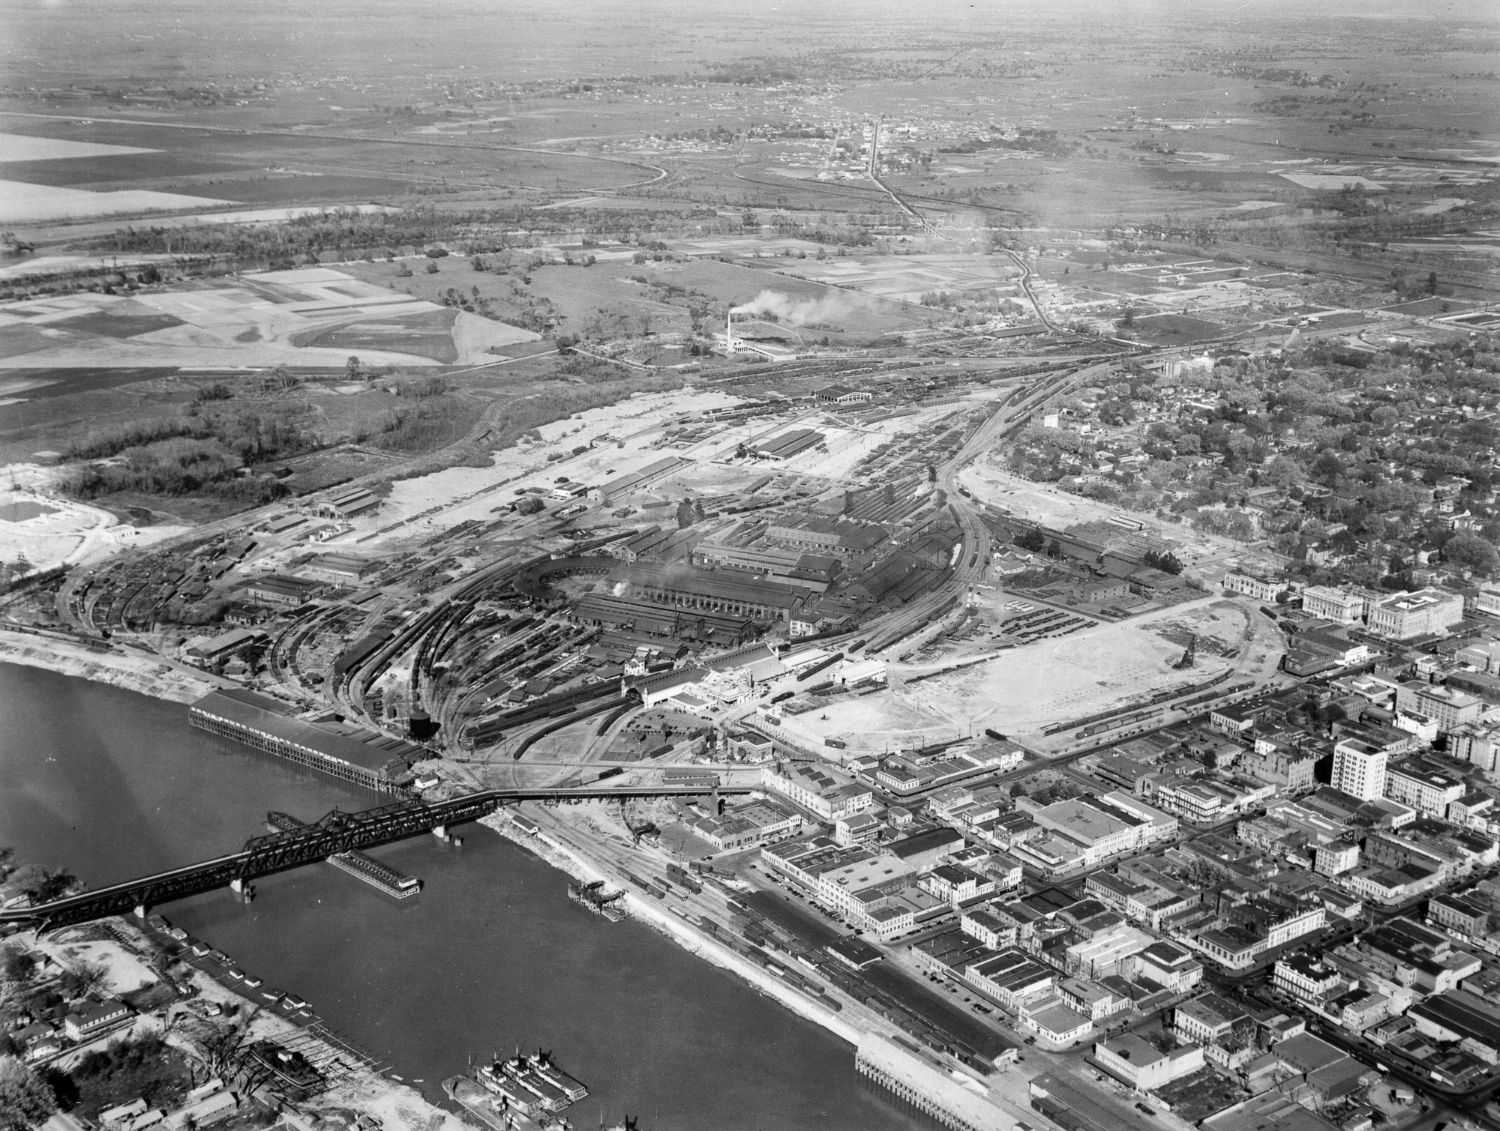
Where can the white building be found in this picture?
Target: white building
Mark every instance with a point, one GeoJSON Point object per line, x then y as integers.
{"type": "Point", "coordinates": [1359, 769]}
{"type": "Point", "coordinates": [1328, 603]}
{"type": "Point", "coordinates": [1487, 600]}
{"type": "Point", "coordinates": [826, 795]}
{"type": "Point", "coordinates": [1427, 790]}
{"type": "Point", "coordinates": [1253, 585]}
{"type": "Point", "coordinates": [1134, 1061]}
{"type": "Point", "coordinates": [1423, 613]}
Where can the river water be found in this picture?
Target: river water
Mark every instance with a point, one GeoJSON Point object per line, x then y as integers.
{"type": "Point", "coordinates": [490, 957]}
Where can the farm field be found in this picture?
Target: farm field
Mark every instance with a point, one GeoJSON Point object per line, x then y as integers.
{"type": "Point", "coordinates": [306, 317]}
{"type": "Point", "coordinates": [905, 277]}
{"type": "Point", "coordinates": [78, 170]}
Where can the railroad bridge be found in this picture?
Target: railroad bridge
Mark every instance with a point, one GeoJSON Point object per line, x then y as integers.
{"type": "Point", "coordinates": [336, 832]}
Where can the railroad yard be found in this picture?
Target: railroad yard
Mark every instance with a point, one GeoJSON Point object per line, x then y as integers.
{"type": "Point", "coordinates": [877, 519]}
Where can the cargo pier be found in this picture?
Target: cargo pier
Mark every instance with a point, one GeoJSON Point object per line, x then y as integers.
{"type": "Point", "coordinates": [596, 899]}
{"type": "Point", "coordinates": [392, 882]}
{"type": "Point", "coordinates": [517, 1092]}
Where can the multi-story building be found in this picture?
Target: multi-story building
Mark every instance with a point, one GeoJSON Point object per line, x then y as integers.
{"type": "Point", "coordinates": [1426, 612]}
{"type": "Point", "coordinates": [1280, 762]}
{"type": "Point", "coordinates": [821, 792]}
{"type": "Point", "coordinates": [1446, 706]}
{"type": "Point", "coordinates": [1263, 926]}
{"type": "Point", "coordinates": [1424, 787]}
{"type": "Point", "coordinates": [1465, 913]}
{"type": "Point", "coordinates": [834, 537]}
{"type": "Point", "coordinates": [1359, 769]}
{"type": "Point", "coordinates": [1207, 1018]}
{"type": "Point", "coordinates": [1478, 744]}
{"type": "Point", "coordinates": [1085, 830]}
{"type": "Point", "coordinates": [1335, 858]}
{"type": "Point", "coordinates": [1254, 585]}
{"type": "Point", "coordinates": [1337, 605]}
{"type": "Point", "coordinates": [1135, 1061]}
{"type": "Point", "coordinates": [281, 589]}
{"type": "Point", "coordinates": [1487, 600]}
{"type": "Point", "coordinates": [1009, 977]}
{"type": "Point", "coordinates": [1169, 965]}
{"type": "Point", "coordinates": [1308, 978]}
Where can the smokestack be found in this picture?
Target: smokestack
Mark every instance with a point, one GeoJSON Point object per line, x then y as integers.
{"type": "Point", "coordinates": [729, 331]}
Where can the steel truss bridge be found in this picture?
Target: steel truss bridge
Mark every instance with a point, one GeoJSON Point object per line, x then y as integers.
{"type": "Point", "coordinates": [308, 844]}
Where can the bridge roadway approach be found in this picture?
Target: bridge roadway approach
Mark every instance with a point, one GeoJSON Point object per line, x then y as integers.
{"type": "Point", "coordinates": [309, 844]}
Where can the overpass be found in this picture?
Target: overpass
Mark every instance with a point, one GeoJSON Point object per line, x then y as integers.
{"type": "Point", "coordinates": [308, 844]}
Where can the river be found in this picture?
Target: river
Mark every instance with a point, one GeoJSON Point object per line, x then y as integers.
{"type": "Point", "coordinates": [490, 957]}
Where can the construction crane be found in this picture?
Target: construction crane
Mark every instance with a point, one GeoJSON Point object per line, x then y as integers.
{"type": "Point", "coordinates": [1189, 657]}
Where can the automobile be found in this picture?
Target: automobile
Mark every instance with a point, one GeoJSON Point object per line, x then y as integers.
{"type": "Point", "coordinates": [1030, 1040]}
{"type": "Point", "coordinates": [1146, 1109]}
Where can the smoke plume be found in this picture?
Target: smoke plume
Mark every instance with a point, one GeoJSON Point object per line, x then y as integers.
{"type": "Point", "coordinates": [797, 311]}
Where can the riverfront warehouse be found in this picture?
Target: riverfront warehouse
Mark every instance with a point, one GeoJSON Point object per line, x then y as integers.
{"type": "Point", "coordinates": [265, 724]}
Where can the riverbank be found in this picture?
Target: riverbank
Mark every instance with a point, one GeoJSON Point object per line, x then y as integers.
{"type": "Point", "coordinates": [143, 674]}
{"type": "Point", "coordinates": [128, 962]}
{"type": "Point", "coordinates": [682, 933]}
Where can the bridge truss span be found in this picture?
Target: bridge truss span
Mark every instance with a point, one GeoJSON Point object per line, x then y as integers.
{"type": "Point", "coordinates": [295, 844]}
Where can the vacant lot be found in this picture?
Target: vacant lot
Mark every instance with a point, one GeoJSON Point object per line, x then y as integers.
{"type": "Point", "coordinates": [1025, 689]}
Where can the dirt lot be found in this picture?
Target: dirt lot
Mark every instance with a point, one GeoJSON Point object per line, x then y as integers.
{"type": "Point", "coordinates": [905, 277]}
{"type": "Point", "coordinates": [989, 482]}
{"type": "Point", "coordinates": [1025, 689]}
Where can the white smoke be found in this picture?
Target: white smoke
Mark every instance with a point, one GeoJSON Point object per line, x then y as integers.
{"type": "Point", "coordinates": [797, 311]}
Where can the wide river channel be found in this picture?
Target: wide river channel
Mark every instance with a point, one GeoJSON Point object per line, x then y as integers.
{"type": "Point", "coordinates": [490, 957]}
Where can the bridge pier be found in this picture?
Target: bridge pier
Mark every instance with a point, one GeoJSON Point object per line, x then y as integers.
{"type": "Point", "coordinates": [141, 910]}
{"type": "Point", "coordinates": [440, 831]}
{"type": "Point", "coordinates": [242, 888]}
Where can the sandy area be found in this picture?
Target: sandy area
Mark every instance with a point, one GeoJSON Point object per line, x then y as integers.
{"type": "Point", "coordinates": [392, 1105]}
{"type": "Point", "coordinates": [1024, 689]}
{"type": "Point", "coordinates": [466, 493]}
{"type": "Point", "coordinates": [123, 972]}
{"type": "Point", "coordinates": [989, 482]}
{"type": "Point", "coordinates": [29, 147]}
{"type": "Point", "coordinates": [131, 671]}
{"type": "Point", "coordinates": [907, 277]}
{"type": "Point", "coordinates": [22, 203]}
{"type": "Point", "coordinates": [69, 532]}
{"type": "Point", "coordinates": [44, 265]}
